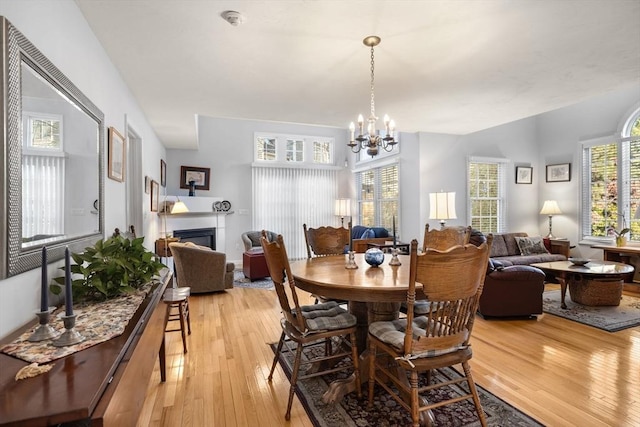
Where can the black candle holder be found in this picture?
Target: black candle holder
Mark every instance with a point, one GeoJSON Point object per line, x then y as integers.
{"type": "Point", "coordinates": [70, 336]}
{"type": "Point", "coordinates": [44, 331]}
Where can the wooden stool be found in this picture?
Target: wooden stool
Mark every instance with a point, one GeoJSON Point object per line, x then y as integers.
{"type": "Point", "coordinates": [178, 298]}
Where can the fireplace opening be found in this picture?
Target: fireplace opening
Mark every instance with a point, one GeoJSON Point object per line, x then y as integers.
{"type": "Point", "coordinates": [199, 236]}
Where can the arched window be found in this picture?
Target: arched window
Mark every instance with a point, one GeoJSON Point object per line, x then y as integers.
{"type": "Point", "coordinates": [611, 183]}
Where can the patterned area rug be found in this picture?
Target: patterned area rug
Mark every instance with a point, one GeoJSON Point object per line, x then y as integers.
{"type": "Point", "coordinates": [611, 319]}
{"type": "Point", "coordinates": [386, 412]}
{"type": "Point", "coordinates": [242, 282]}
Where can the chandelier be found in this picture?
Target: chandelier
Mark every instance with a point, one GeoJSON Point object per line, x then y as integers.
{"type": "Point", "coordinates": [372, 140]}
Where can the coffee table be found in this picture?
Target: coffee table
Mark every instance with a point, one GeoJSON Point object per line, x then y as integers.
{"type": "Point", "coordinates": [595, 283]}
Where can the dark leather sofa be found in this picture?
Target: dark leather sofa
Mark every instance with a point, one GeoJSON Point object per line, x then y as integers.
{"type": "Point", "coordinates": [511, 291]}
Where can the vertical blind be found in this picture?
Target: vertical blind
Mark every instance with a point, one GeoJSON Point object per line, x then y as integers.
{"type": "Point", "coordinates": [42, 195]}
{"type": "Point", "coordinates": [286, 198]}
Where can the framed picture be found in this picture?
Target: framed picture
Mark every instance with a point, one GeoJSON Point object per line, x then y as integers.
{"type": "Point", "coordinates": [155, 195]}
{"type": "Point", "coordinates": [163, 173]}
{"type": "Point", "coordinates": [199, 175]}
{"type": "Point", "coordinates": [147, 185]}
{"type": "Point", "coordinates": [524, 175]}
{"type": "Point", "coordinates": [116, 155]}
{"type": "Point", "coordinates": [559, 173]}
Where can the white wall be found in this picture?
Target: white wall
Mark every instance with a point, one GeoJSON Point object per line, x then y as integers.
{"type": "Point", "coordinates": [58, 29]}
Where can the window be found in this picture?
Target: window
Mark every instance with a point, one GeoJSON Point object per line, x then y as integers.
{"type": "Point", "coordinates": [378, 196]}
{"type": "Point", "coordinates": [611, 183]}
{"type": "Point", "coordinates": [486, 202]}
{"type": "Point", "coordinates": [43, 168]}
{"type": "Point", "coordinates": [287, 149]}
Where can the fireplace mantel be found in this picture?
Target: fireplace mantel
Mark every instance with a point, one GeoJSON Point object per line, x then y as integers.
{"type": "Point", "coordinates": [200, 215]}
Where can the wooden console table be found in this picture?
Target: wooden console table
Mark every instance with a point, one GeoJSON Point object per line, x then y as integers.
{"type": "Point", "coordinates": [103, 385]}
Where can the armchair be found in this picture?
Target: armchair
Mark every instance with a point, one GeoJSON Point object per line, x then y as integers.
{"type": "Point", "coordinates": [200, 268]}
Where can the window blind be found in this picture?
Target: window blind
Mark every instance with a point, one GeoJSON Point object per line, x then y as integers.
{"type": "Point", "coordinates": [42, 195]}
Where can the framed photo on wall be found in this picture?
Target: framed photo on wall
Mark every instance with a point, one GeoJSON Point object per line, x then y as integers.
{"type": "Point", "coordinates": [559, 173]}
{"type": "Point", "coordinates": [116, 155]}
{"type": "Point", "coordinates": [199, 175]}
{"type": "Point", "coordinates": [524, 175]}
{"type": "Point", "coordinates": [163, 173]}
{"type": "Point", "coordinates": [155, 195]}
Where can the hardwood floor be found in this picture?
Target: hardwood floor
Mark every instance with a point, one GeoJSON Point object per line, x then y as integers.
{"type": "Point", "coordinates": [560, 372]}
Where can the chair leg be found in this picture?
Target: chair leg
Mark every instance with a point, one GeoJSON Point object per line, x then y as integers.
{"type": "Point", "coordinates": [372, 372]}
{"type": "Point", "coordinates": [188, 311]}
{"type": "Point", "coordinates": [415, 404]}
{"type": "Point", "coordinates": [294, 380]}
{"type": "Point", "coordinates": [184, 337]}
{"type": "Point", "coordinates": [277, 355]}
{"type": "Point", "coordinates": [356, 364]}
{"type": "Point", "coordinates": [474, 393]}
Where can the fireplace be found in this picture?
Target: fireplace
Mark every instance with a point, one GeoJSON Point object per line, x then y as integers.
{"type": "Point", "coordinates": [199, 236]}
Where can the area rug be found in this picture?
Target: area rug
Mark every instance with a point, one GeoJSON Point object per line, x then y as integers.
{"type": "Point", "coordinates": [242, 282]}
{"type": "Point", "coordinates": [386, 412]}
{"type": "Point", "coordinates": [611, 319]}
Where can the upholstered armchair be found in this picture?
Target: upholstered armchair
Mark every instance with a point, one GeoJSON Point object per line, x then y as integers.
{"type": "Point", "coordinates": [200, 268]}
{"type": "Point", "coordinates": [251, 240]}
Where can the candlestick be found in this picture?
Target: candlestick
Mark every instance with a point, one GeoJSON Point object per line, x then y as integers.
{"type": "Point", "coordinates": [350, 237]}
{"type": "Point", "coordinates": [70, 336]}
{"type": "Point", "coordinates": [68, 297]}
{"type": "Point", "coordinates": [44, 291]}
{"type": "Point", "coordinates": [351, 261]}
{"type": "Point", "coordinates": [394, 232]}
{"type": "Point", "coordinates": [44, 331]}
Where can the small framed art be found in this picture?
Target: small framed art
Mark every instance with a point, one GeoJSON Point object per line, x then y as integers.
{"type": "Point", "coordinates": [155, 195]}
{"type": "Point", "coordinates": [163, 173]}
{"type": "Point", "coordinates": [199, 175]}
{"type": "Point", "coordinates": [559, 173]}
{"type": "Point", "coordinates": [524, 175]}
{"type": "Point", "coordinates": [116, 155]}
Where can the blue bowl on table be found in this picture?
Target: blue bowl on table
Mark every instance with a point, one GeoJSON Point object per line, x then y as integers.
{"type": "Point", "coordinates": [374, 257]}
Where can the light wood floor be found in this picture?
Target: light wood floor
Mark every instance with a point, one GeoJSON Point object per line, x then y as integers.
{"type": "Point", "coordinates": [560, 372]}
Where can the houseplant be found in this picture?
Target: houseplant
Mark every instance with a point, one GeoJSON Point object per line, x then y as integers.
{"type": "Point", "coordinates": [110, 268]}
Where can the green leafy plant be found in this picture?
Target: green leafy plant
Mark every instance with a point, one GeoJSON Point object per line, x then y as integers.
{"type": "Point", "coordinates": [110, 268]}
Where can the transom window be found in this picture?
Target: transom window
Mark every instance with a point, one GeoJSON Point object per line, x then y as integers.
{"type": "Point", "coordinates": [42, 131]}
{"type": "Point", "coordinates": [288, 149]}
{"type": "Point", "coordinates": [487, 182]}
{"type": "Point", "coordinates": [611, 183]}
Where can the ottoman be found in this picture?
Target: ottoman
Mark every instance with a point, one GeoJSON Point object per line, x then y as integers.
{"type": "Point", "coordinates": [254, 265]}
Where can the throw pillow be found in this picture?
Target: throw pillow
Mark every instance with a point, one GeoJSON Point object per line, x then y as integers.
{"type": "Point", "coordinates": [531, 245]}
{"type": "Point", "coordinates": [368, 234]}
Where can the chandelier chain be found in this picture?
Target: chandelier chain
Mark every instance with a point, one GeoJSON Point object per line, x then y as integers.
{"type": "Point", "coordinates": [373, 103]}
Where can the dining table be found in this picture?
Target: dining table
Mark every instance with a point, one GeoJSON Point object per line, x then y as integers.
{"type": "Point", "coordinates": [374, 294]}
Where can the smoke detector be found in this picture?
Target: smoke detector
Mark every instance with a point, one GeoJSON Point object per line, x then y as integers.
{"type": "Point", "coordinates": [232, 17]}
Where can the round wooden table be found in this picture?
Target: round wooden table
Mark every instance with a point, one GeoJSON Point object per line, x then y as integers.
{"type": "Point", "coordinates": [374, 293]}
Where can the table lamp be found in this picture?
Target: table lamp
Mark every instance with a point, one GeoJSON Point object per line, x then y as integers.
{"type": "Point", "coordinates": [550, 208]}
{"type": "Point", "coordinates": [342, 209]}
{"type": "Point", "coordinates": [442, 206]}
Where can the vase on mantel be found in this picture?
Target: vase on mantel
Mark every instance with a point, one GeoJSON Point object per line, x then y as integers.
{"type": "Point", "coordinates": [192, 188]}
{"type": "Point", "coordinates": [621, 241]}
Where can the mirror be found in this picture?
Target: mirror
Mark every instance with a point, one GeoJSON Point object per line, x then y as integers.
{"type": "Point", "coordinates": [51, 166]}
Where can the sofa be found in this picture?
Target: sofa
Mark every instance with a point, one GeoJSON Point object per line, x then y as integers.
{"type": "Point", "coordinates": [363, 235]}
{"type": "Point", "coordinates": [505, 250]}
{"type": "Point", "coordinates": [201, 268]}
{"type": "Point", "coordinates": [512, 290]}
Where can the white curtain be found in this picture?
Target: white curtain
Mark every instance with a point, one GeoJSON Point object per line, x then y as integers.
{"type": "Point", "coordinates": [286, 198]}
{"type": "Point", "coordinates": [42, 195]}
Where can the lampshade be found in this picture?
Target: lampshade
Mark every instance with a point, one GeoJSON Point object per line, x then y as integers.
{"type": "Point", "coordinates": [343, 207]}
{"type": "Point", "coordinates": [179, 207]}
{"type": "Point", "coordinates": [442, 205]}
{"type": "Point", "coordinates": [550, 207]}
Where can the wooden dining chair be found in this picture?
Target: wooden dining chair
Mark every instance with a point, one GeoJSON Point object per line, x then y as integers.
{"type": "Point", "coordinates": [323, 241]}
{"type": "Point", "coordinates": [442, 239]}
{"type": "Point", "coordinates": [452, 280]}
{"type": "Point", "coordinates": [308, 325]}
{"type": "Point", "coordinates": [326, 241]}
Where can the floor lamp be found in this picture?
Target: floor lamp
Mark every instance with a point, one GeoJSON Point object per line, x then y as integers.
{"type": "Point", "coordinates": [442, 206]}
{"type": "Point", "coordinates": [550, 208]}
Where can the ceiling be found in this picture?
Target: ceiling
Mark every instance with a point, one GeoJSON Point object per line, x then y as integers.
{"type": "Point", "coordinates": [450, 66]}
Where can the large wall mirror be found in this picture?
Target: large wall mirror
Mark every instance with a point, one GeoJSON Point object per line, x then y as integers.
{"type": "Point", "coordinates": [51, 166]}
